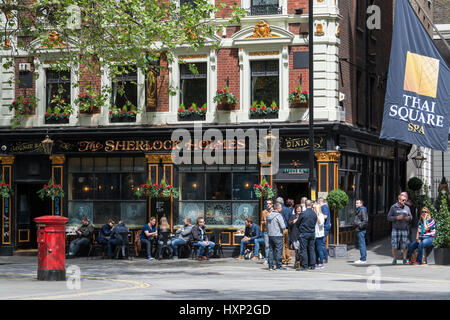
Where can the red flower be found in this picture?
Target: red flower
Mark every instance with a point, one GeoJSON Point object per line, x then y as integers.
{"type": "Point", "coordinates": [110, 112]}
{"type": "Point", "coordinates": [305, 92]}
{"type": "Point", "coordinates": [14, 102]}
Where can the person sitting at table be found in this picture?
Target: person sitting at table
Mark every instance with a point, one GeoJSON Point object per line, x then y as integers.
{"type": "Point", "coordinates": [182, 236]}
{"type": "Point", "coordinates": [164, 233]}
{"type": "Point", "coordinates": [254, 235]}
{"type": "Point", "coordinates": [426, 233]}
{"type": "Point", "coordinates": [200, 240]}
{"type": "Point", "coordinates": [116, 237]}
{"type": "Point", "coordinates": [84, 239]}
{"type": "Point", "coordinates": [149, 235]}
{"type": "Point", "coordinates": [105, 234]}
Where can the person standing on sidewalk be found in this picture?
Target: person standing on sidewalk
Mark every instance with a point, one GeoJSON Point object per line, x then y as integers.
{"type": "Point", "coordinates": [306, 224]}
{"type": "Point", "coordinates": [360, 222]}
{"type": "Point", "coordinates": [400, 216]}
{"type": "Point", "coordinates": [264, 213]}
{"type": "Point", "coordinates": [320, 232]}
{"type": "Point", "coordinates": [294, 234]}
{"type": "Point", "coordinates": [327, 226]}
{"type": "Point", "coordinates": [285, 213]}
{"type": "Point", "coordinates": [275, 226]}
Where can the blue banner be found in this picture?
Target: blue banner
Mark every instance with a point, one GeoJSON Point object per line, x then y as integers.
{"type": "Point", "coordinates": [417, 104]}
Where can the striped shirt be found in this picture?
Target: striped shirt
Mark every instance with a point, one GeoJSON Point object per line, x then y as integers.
{"type": "Point", "coordinates": [431, 225]}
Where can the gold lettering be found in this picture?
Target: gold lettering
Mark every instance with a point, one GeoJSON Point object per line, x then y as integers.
{"type": "Point", "coordinates": [168, 144]}
{"type": "Point", "coordinates": [109, 146]}
{"type": "Point", "coordinates": [157, 145]}
{"type": "Point", "coordinates": [120, 146]}
{"type": "Point", "coordinates": [139, 146]}
{"type": "Point", "coordinates": [131, 146]}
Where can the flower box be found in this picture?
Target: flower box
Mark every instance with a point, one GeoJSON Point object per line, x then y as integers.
{"type": "Point", "coordinates": [162, 190]}
{"type": "Point", "coordinates": [193, 113]}
{"type": "Point", "coordinates": [121, 117]}
{"type": "Point", "coordinates": [298, 104]}
{"type": "Point", "coordinates": [56, 118]}
{"type": "Point", "coordinates": [91, 110]}
{"type": "Point", "coordinates": [299, 98]}
{"type": "Point", "coordinates": [192, 117]}
{"type": "Point", "coordinates": [261, 111]}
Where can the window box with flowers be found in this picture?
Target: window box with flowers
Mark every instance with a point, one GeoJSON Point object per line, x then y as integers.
{"type": "Point", "coordinates": [261, 111]}
{"type": "Point", "coordinates": [22, 106]}
{"type": "Point", "coordinates": [162, 190]}
{"type": "Point", "coordinates": [225, 99]}
{"type": "Point", "coordinates": [192, 113]}
{"type": "Point", "coordinates": [5, 189]}
{"type": "Point", "coordinates": [58, 115]}
{"type": "Point", "coordinates": [298, 98]}
{"type": "Point", "coordinates": [127, 113]}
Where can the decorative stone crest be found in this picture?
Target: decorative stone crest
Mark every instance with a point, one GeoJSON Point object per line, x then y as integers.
{"type": "Point", "coordinates": [262, 30]}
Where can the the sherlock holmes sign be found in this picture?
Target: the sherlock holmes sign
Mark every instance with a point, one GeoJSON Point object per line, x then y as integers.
{"type": "Point", "coordinates": [137, 145]}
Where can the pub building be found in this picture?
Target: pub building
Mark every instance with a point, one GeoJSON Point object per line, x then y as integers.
{"type": "Point", "coordinates": [101, 169]}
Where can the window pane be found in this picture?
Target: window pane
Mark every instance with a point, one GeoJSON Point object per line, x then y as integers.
{"type": "Point", "coordinates": [127, 164]}
{"type": "Point", "coordinates": [100, 164]}
{"type": "Point", "coordinates": [129, 183]}
{"type": "Point", "coordinates": [265, 81]}
{"type": "Point", "coordinates": [108, 186]}
{"type": "Point", "coordinates": [190, 210]}
{"type": "Point", "coordinates": [87, 164]}
{"type": "Point", "coordinates": [124, 91]}
{"type": "Point", "coordinates": [192, 186]}
{"type": "Point", "coordinates": [82, 186]}
{"type": "Point", "coordinates": [78, 210]}
{"type": "Point", "coordinates": [218, 186]}
{"type": "Point", "coordinates": [134, 213]}
{"type": "Point", "coordinates": [218, 213]}
{"type": "Point", "coordinates": [241, 211]}
{"type": "Point", "coordinates": [113, 164]}
{"type": "Point", "coordinates": [243, 186]}
{"type": "Point", "coordinates": [106, 210]}
{"type": "Point", "coordinates": [193, 91]}
{"type": "Point", "coordinates": [74, 164]}
{"type": "Point", "coordinates": [139, 164]}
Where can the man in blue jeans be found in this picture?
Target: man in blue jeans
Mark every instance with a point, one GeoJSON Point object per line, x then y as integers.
{"type": "Point", "coordinates": [253, 235]}
{"type": "Point", "coordinates": [306, 223]}
{"type": "Point", "coordinates": [200, 240]}
{"type": "Point", "coordinates": [361, 221]}
{"type": "Point", "coordinates": [182, 237]}
{"type": "Point", "coordinates": [275, 226]}
{"type": "Point", "coordinates": [149, 235]}
{"type": "Point", "coordinates": [327, 226]}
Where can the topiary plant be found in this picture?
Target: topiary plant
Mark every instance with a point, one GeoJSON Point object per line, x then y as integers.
{"type": "Point", "coordinates": [415, 184]}
{"type": "Point", "coordinates": [337, 199]}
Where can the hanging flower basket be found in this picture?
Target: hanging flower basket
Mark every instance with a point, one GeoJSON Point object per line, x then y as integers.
{"type": "Point", "coordinates": [299, 98]}
{"type": "Point", "coordinates": [225, 99]}
{"type": "Point", "coordinates": [5, 189]}
{"type": "Point", "coordinates": [264, 190]}
{"type": "Point", "coordinates": [162, 190]}
{"type": "Point", "coordinates": [22, 106]}
{"type": "Point", "coordinates": [51, 190]}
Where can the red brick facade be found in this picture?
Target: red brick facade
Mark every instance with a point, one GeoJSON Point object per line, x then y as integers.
{"type": "Point", "coordinates": [228, 71]}
{"type": "Point", "coordinates": [296, 74]}
{"type": "Point", "coordinates": [298, 4]}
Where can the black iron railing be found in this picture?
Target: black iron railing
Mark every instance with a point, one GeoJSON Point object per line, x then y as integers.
{"type": "Point", "coordinates": [264, 10]}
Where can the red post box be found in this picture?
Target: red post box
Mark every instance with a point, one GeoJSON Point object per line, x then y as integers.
{"type": "Point", "coordinates": [51, 247]}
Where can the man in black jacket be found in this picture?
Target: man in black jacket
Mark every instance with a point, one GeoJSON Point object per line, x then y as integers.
{"type": "Point", "coordinates": [360, 222]}
{"type": "Point", "coordinates": [306, 224]}
{"type": "Point", "coordinates": [116, 237]}
{"type": "Point", "coordinates": [200, 239]}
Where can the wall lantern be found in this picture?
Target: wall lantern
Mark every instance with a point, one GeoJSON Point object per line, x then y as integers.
{"type": "Point", "coordinates": [418, 159]}
{"type": "Point", "coordinates": [47, 145]}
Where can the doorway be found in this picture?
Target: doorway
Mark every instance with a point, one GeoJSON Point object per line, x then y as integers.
{"type": "Point", "coordinates": [295, 191]}
{"type": "Point", "coordinates": [28, 207]}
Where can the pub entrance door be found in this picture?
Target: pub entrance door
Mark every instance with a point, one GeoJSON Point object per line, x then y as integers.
{"type": "Point", "coordinates": [295, 191]}
{"type": "Point", "coordinates": [28, 207]}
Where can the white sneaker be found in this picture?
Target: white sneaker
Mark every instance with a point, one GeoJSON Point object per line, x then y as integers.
{"type": "Point", "coordinates": [265, 262]}
{"type": "Point", "coordinates": [360, 262]}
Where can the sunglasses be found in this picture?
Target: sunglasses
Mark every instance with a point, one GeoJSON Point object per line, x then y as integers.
{"type": "Point", "coordinates": [424, 211]}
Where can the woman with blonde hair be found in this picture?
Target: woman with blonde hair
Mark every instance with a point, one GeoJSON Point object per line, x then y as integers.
{"type": "Point", "coordinates": [164, 240]}
{"type": "Point", "coordinates": [426, 232]}
{"type": "Point", "coordinates": [320, 233]}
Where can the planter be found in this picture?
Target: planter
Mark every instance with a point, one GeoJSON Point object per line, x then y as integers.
{"type": "Point", "coordinates": [91, 110]}
{"type": "Point", "coordinates": [441, 256]}
{"type": "Point", "coordinates": [119, 119]}
{"type": "Point", "coordinates": [264, 116]}
{"type": "Point", "coordinates": [298, 104]}
{"type": "Point", "coordinates": [192, 117]}
{"type": "Point", "coordinates": [338, 251]}
{"type": "Point", "coordinates": [56, 120]}
{"type": "Point", "coordinates": [226, 106]}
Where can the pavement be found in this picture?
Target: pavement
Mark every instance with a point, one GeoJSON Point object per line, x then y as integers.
{"type": "Point", "coordinates": [226, 279]}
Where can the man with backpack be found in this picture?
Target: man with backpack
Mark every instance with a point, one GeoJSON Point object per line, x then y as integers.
{"type": "Point", "coordinates": [361, 221]}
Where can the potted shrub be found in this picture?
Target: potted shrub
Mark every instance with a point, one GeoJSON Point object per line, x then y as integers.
{"type": "Point", "coordinates": [225, 99]}
{"type": "Point", "coordinates": [263, 190]}
{"type": "Point", "coordinates": [22, 106]}
{"type": "Point", "coordinates": [298, 98]}
{"type": "Point", "coordinates": [5, 189]}
{"type": "Point", "coordinates": [337, 200]}
{"type": "Point", "coordinates": [127, 113]}
{"type": "Point", "coordinates": [441, 243]}
{"type": "Point", "coordinates": [261, 111]}
{"type": "Point", "coordinates": [192, 113]}
{"type": "Point", "coordinates": [51, 190]}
